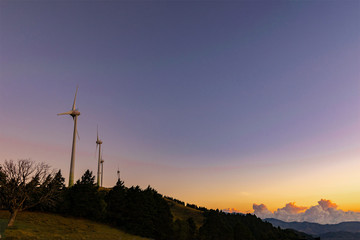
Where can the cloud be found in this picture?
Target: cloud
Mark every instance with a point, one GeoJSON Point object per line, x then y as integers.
{"type": "Point", "coordinates": [291, 208]}
{"type": "Point", "coordinates": [326, 204]}
{"type": "Point", "coordinates": [231, 210]}
{"type": "Point", "coordinates": [289, 213]}
{"type": "Point", "coordinates": [325, 212]}
{"type": "Point", "coordinates": [262, 211]}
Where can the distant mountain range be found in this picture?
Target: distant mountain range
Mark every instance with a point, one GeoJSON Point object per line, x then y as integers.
{"type": "Point", "coordinates": [340, 231]}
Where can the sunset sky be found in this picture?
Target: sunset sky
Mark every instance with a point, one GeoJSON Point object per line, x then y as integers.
{"type": "Point", "coordinates": [218, 103]}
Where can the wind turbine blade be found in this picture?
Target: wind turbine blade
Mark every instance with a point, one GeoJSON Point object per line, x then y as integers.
{"type": "Point", "coordinates": [73, 108]}
{"type": "Point", "coordinates": [65, 113]}
{"type": "Point", "coordinates": [97, 132]}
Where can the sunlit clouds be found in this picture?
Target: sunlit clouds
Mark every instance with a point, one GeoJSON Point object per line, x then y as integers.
{"type": "Point", "coordinates": [231, 210]}
{"type": "Point", "coordinates": [325, 212]}
{"type": "Point", "coordinates": [262, 211]}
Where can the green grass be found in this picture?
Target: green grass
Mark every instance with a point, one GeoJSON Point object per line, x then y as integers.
{"type": "Point", "coordinates": [45, 226]}
{"type": "Point", "coordinates": [183, 213]}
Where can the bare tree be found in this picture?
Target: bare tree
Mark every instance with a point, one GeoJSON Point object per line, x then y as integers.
{"type": "Point", "coordinates": [25, 184]}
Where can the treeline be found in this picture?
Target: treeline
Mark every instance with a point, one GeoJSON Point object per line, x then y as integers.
{"type": "Point", "coordinates": [146, 213]}
{"type": "Point", "coordinates": [225, 226]}
{"type": "Point", "coordinates": [141, 212]}
{"type": "Point", "coordinates": [203, 209]}
{"type": "Point", "coordinates": [175, 200]}
{"type": "Point", "coordinates": [194, 206]}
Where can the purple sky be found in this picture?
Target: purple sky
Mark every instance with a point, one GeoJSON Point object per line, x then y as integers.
{"type": "Point", "coordinates": [188, 95]}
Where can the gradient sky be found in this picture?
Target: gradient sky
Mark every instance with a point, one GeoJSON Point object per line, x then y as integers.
{"type": "Point", "coordinates": [221, 104]}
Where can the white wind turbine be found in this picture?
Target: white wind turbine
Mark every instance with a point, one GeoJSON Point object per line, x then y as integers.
{"type": "Point", "coordinates": [74, 113]}
{"type": "Point", "coordinates": [98, 143]}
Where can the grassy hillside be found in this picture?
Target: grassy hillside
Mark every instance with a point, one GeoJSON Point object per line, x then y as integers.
{"type": "Point", "coordinates": [41, 226]}
{"type": "Point", "coordinates": [45, 226]}
{"type": "Point", "coordinates": [183, 213]}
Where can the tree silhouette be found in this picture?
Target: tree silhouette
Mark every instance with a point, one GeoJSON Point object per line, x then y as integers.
{"type": "Point", "coordinates": [84, 200]}
{"type": "Point", "coordinates": [25, 184]}
{"type": "Point", "coordinates": [52, 204]}
{"type": "Point", "coordinates": [116, 203]}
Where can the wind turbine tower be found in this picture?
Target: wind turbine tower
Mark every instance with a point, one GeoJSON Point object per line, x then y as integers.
{"type": "Point", "coordinates": [74, 113]}
{"type": "Point", "coordinates": [98, 143]}
{"type": "Point", "coordinates": [102, 170]}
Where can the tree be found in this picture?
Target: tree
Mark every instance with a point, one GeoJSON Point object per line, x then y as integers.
{"type": "Point", "coordinates": [116, 203]}
{"type": "Point", "coordinates": [184, 230]}
{"type": "Point", "coordinates": [25, 184]}
{"type": "Point", "coordinates": [142, 212]}
{"type": "Point", "coordinates": [181, 230]}
{"type": "Point", "coordinates": [53, 203]}
{"type": "Point", "coordinates": [241, 232]}
{"type": "Point", "coordinates": [192, 228]}
{"type": "Point", "coordinates": [216, 227]}
{"type": "Point", "coordinates": [84, 199]}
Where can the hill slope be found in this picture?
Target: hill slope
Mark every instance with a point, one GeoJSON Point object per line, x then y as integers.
{"type": "Point", "coordinates": [211, 222]}
{"type": "Point", "coordinates": [183, 213]}
{"type": "Point", "coordinates": [344, 230]}
{"type": "Point", "coordinates": [45, 226]}
{"type": "Point", "coordinates": [315, 228]}
{"type": "Point", "coordinates": [41, 226]}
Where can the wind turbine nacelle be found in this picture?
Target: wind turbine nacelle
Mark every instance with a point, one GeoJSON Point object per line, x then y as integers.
{"type": "Point", "coordinates": [99, 142]}
{"type": "Point", "coordinates": [75, 113]}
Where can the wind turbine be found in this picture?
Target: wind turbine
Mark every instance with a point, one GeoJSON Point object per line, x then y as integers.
{"type": "Point", "coordinates": [118, 174]}
{"type": "Point", "coordinates": [98, 143]}
{"type": "Point", "coordinates": [74, 113]}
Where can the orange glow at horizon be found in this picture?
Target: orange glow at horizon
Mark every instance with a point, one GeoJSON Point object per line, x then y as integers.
{"type": "Point", "coordinates": [305, 181]}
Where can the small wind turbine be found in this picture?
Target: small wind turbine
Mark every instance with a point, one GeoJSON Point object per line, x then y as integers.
{"type": "Point", "coordinates": [118, 174]}
{"type": "Point", "coordinates": [98, 143]}
{"type": "Point", "coordinates": [74, 113]}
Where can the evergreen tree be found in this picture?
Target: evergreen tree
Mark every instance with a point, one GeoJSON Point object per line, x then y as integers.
{"type": "Point", "coordinates": [192, 229]}
{"type": "Point", "coordinates": [142, 212]}
{"type": "Point", "coordinates": [181, 230]}
{"type": "Point", "coordinates": [242, 232]}
{"type": "Point", "coordinates": [116, 203]}
{"type": "Point", "coordinates": [215, 227]}
{"type": "Point", "coordinates": [184, 230]}
{"type": "Point", "coordinates": [54, 202]}
{"type": "Point", "coordinates": [84, 200]}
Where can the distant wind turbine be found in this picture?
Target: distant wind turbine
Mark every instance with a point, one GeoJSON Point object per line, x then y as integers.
{"type": "Point", "coordinates": [118, 174]}
{"type": "Point", "coordinates": [74, 113]}
{"type": "Point", "coordinates": [98, 143]}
